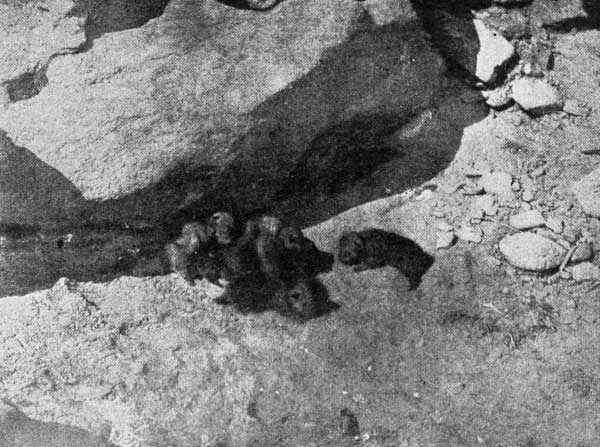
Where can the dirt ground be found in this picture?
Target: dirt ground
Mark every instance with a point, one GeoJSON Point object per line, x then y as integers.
{"type": "Point", "coordinates": [481, 354]}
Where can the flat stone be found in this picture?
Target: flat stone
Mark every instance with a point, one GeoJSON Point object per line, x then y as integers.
{"type": "Point", "coordinates": [586, 271]}
{"type": "Point", "coordinates": [527, 220]}
{"type": "Point", "coordinates": [498, 98]}
{"type": "Point", "coordinates": [536, 96]}
{"type": "Point", "coordinates": [444, 226]}
{"type": "Point", "coordinates": [499, 183]}
{"type": "Point", "coordinates": [469, 234]}
{"type": "Point", "coordinates": [583, 252]}
{"type": "Point", "coordinates": [528, 251]}
{"type": "Point", "coordinates": [445, 240]}
{"type": "Point", "coordinates": [487, 204]}
{"type": "Point", "coordinates": [572, 107]}
{"type": "Point", "coordinates": [494, 52]}
{"type": "Point", "coordinates": [556, 224]}
{"type": "Point", "coordinates": [587, 191]}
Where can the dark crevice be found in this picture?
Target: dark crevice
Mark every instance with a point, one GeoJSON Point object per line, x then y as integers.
{"type": "Point", "coordinates": [27, 85]}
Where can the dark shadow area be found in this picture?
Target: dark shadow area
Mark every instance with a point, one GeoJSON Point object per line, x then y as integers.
{"type": "Point", "coordinates": [591, 21]}
{"type": "Point", "coordinates": [374, 248]}
{"type": "Point", "coordinates": [27, 85]}
{"type": "Point", "coordinates": [330, 114]}
{"type": "Point", "coordinates": [108, 16]}
{"type": "Point", "coordinates": [256, 5]}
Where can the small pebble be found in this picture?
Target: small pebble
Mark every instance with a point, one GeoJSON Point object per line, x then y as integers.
{"type": "Point", "coordinates": [555, 224]}
{"type": "Point", "coordinates": [525, 206]}
{"type": "Point", "coordinates": [445, 240]}
{"type": "Point", "coordinates": [586, 271]}
{"type": "Point", "coordinates": [443, 226]}
{"type": "Point", "coordinates": [472, 190]}
{"type": "Point", "coordinates": [438, 213]}
{"type": "Point", "coordinates": [527, 220]}
{"type": "Point", "coordinates": [583, 252]}
{"type": "Point", "coordinates": [529, 251]}
{"type": "Point", "coordinates": [528, 195]}
{"type": "Point", "coordinates": [516, 186]}
{"type": "Point", "coordinates": [469, 234]}
{"type": "Point", "coordinates": [487, 204]}
{"type": "Point", "coordinates": [572, 107]}
{"type": "Point", "coordinates": [538, 172]}
{"type": "Point", "coordinates": [499, 183]}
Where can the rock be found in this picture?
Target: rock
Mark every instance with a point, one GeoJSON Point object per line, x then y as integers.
{"type": "Point", "coordinates": [469, 234]}
{"type": "Point", "coordinates": [527, 220]}
{"type": "Point", "coordinates": [445, 240]}
{"type": "Point", "coordinates": [536, 96]}
{"type": "Point", "coordinates": [586, 271]}
{"type": "Point", "coordinates": [494, 52]}
{"type": "Point", "coordinates": [555, 224]}
{"type": "Point", "coordinates": [487, 204]}
{"type": "Point", "coordinates": [587, 191]}
{"type": "Point", "coordinates": [497, 98]}
{"type": "Point", "coordinates": [516, 186]}
{"type": "Point", "coordinates": [525, 206]}
{"type": "Point", "coordinates": [537, 172]}
{"type": "Point", "coordinates": [425, 195]}
{"type": "Point", "coordinates": [583, 252]}
{"type": "Point", "coordinates": [472, 190]}
{"type": "Point", "coordinates": [529, 251]}
{"type": "Point", "coordinates": [527, 195]}
{"type": "Point", "coordinates": [207, 87]}
{"type": "Point", "coordinates": [572, 107]}
{"type": "Point", "coordinates": [497, 183]}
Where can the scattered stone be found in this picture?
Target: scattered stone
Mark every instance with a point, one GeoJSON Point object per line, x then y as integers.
{"type": "Point", "coordinates": [527, 220]}
{"type": "Point", "coordinates": [476, 213]}
{"type": "Point", "coordinates": [587, 191]}
{"type": "Point", "coordinates": [572, 107]}
{"type": "Point", "coordinates": [494, 52]}
{"type": "Point", "coordinates": [525, 206]}
{"type": "Point", "coordinates": [445, 240]}
{"type": "Point", "coordinates": [472, 190]}
{"type": "Point", "coordinates": [556, 224]}
{"type": "Point", "coordinates": [498, 98]}
{"type": "Point", "coordinates": [438, 213]}
{"type": "Point", "coordinates": [583, 252]}
{"type": "Point", "coordinates": [586, 271]}
{"type": "Point", "coordinates": [499, 183]}
{"type": "Point", "coordinates": [530, 251]}
{"type": "Point", "coordinates": [444, 226]}
{"type": "Point", "coordinates": [528, 195]}
{"type": "Point", "coordinates": [425, 195]}
{"type": "Point", "coordinates": [487, 204]}
{"type": "Point", "coordinates": [516, 186]}
{"type": "Point", "coordinates": [536, 96]}
{"type": "Point", "coordinates": [564, 274]}
{"type": "Point", "coordinates": [469, 234]}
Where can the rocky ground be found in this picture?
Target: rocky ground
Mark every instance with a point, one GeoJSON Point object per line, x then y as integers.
{"type": "Point", "coordinates": [497, 347]}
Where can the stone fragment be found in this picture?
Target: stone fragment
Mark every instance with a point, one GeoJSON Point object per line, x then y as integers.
{"type": "Point", "coordinates": [556, 224]}
{"type": "Point", "coordinates": [499, 183]}
{"type": "Point", "coordinates": [494, 52]}
{"type": "Point", "coordinates": [583, 252]}
{"type": "Point", "coordinates": [487, 204]}
{"type": "Point", "coordinates": [498, 98]}
{"type": "Point", "coordinates": [572, 107]}
{"type": "Point", "coordinates": [586, 271]}
{"type": "Point", "coordinates": [527, 220]}
{"type": "Point", "coordinates": [536, 96]}
{"type": "Point", "coordinates": [445, 239]}
{"type": "Point", "coordinates": [528, 251]}
{"type": "Point", "coordinates": [587, 191]}
{"type": "Point", "coordinates": [516, 186]}
{"type": "Point", "coordinates": [525, 206]}
{"type": "Point", "coordinates": [469, 234]}
{"type": "Point", "coordinates": [472, 190]}
{"type": "Point", "coordinates": [527, 195]}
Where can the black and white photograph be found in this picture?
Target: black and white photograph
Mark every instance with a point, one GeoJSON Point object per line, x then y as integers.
{"type": "Point", "coordinates": [299, 223]}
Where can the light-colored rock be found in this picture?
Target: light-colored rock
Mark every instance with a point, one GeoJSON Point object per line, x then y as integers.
{"type": "Point", "coordinates": [572, 107]}
{"type": "Point", "coordinates": [536, 96]}
{"type": "Point", "coordinates": [527, 220]}
{"type": "Point", "coordinates": [487, 204]}
{"type": "Point", "coordinates": [583, 252]}
{"type": "Point", "coordinates": [443, 226]}
{"type": "Point", "coordinates": [587, 191]}
{"type": "Point", "coordinates": [499, 97]}
{"type": "Point", "coordinates": [494, 52]}
{"type": "Point", "coordinates": [207, 87]}
{"type": "Point", "coordinates": [556, 224]}
{"type": "Point", "coordinates": [529, 251]}
{"type": "Point", "coordinates": [586, 271]}
{"type": "Point", "coordinates": [528, 195]}
{"type": "Point", "coordinates": [469, 234]}
{"type": "Point", "coordinates": [445, 239]}
{"type": "Point", "coordinates": [497, 183]}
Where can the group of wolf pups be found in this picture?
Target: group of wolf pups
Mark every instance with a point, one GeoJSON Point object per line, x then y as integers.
{"type": "Point", "coordinates": [265, 264]}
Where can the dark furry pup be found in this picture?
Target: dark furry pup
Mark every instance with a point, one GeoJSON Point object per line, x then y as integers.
{"type": "Point", "coordinates": [274, 267]}
{"type": "Point", "coordinates": [375, 248]}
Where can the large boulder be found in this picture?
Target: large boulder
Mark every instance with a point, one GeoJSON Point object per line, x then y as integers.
{"type": "Point", "coordinates": [207, 88]}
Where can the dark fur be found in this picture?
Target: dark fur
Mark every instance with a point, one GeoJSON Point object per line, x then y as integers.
{"type": "Point", "coordinates": [273, 267]}
{"type": "Point", "coordinates": [375, 248]}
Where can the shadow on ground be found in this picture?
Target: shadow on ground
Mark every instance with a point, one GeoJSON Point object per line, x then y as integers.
{"type": "Point", "coordinates": [367, 151]}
